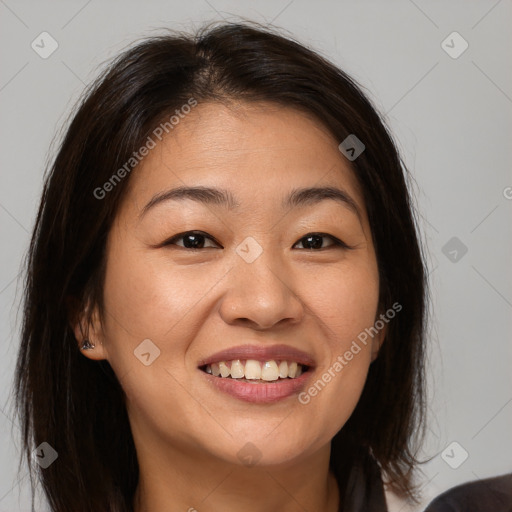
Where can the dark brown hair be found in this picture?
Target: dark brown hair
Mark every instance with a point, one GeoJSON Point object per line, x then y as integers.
{"type": "Point", "coordinates": [76, 404]}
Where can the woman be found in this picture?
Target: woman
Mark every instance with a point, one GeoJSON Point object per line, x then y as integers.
{"type": "Point", "coordinates": [225, 294]}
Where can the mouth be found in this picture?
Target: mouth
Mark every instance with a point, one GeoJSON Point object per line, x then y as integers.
{"type": "Point", "coordinates": [254, 371]}
{"type": "Point", "coordinates": [258, 374]}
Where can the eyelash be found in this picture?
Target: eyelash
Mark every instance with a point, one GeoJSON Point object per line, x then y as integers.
{"type": "Point", "coordinates": [336, 241]}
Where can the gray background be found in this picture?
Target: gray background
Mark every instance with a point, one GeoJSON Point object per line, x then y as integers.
{"type": "Point", "coordinates": [451, 117]}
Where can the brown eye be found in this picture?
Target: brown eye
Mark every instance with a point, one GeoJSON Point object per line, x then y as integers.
{"type": "Point", "coordinates": [191, 240]}
{"type": "Point", "coordinates": [315, 241]}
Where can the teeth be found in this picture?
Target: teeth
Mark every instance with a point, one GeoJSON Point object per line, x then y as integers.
{"type": "Point", "coordinates": [283, 369]}
{"type": "Point", "coordinates": [270, 371]}
{"type": "Point", "coordinates": [224, 370]}
{"type": "Point", "coordinates": [237, 369]}
{"type": "Point", "coordinates": [252, 370]}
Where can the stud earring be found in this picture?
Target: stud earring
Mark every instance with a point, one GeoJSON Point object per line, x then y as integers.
{"type": "Point", "coordinates": [87, 345]}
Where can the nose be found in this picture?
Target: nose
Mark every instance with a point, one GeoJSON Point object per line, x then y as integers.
{"type": "Point", "coordinates": [260, 296]}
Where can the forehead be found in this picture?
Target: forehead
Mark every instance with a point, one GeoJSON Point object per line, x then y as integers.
{"type": "Point", "coordinates": [256, 150]}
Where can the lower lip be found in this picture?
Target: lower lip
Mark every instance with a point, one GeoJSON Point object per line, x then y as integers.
{"type": "Point", "coordinates": [258, 392]}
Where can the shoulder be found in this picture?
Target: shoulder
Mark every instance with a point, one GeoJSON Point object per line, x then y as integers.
{"type": "Point", "coordinates": [480, 496]}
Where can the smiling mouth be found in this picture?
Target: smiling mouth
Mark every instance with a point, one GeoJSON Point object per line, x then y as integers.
{"type": "Point", "coordinates": [254, 371]}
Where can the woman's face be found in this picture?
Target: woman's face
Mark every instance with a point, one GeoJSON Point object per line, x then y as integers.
{"type": "Point", "coordinates": [259, 284]}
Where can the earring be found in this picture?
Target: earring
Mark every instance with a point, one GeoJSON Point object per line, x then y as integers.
{"type": "Point", "coordinates": [87, 345]}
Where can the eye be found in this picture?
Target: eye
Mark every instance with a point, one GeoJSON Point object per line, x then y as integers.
{"type": "Point", "coordinates": [314, 241]}
{"type": "Point", "coordinates": [194, 240]}
{"type": "Point", "coordinates": [191, 240]}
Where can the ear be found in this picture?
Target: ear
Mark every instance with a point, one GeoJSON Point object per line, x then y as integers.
{"type": "Point", "coordinates": [87, 327]}
{"type": "Point", "coordinates": [377, 342]}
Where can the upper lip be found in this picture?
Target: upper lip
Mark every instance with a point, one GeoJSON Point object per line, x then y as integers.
{"type": "Point", "coordinates": [259, 352]}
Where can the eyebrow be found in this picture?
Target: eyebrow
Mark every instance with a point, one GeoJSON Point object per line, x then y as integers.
{"type": "Point", "coordinates": [298, 197]}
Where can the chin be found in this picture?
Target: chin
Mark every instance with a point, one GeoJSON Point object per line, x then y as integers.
{"type": "Point", "coordinates": [265, 450]}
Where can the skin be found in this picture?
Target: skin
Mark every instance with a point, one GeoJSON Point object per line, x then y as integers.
{"type": "Point", "coordinates": [193, 303]}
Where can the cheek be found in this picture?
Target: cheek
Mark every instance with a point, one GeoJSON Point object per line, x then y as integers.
{"type": "Point", "coordinates": [150, 298]}
{"type": "Point", "coordinates": [146, 299]}
{"type": "Point", "coordinates": [346, 304]}
{"type": "Point", "coordinates": [346, 301]}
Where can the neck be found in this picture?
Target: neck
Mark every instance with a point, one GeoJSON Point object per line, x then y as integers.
{"type": "Point", "coordinates": [190, 481]}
